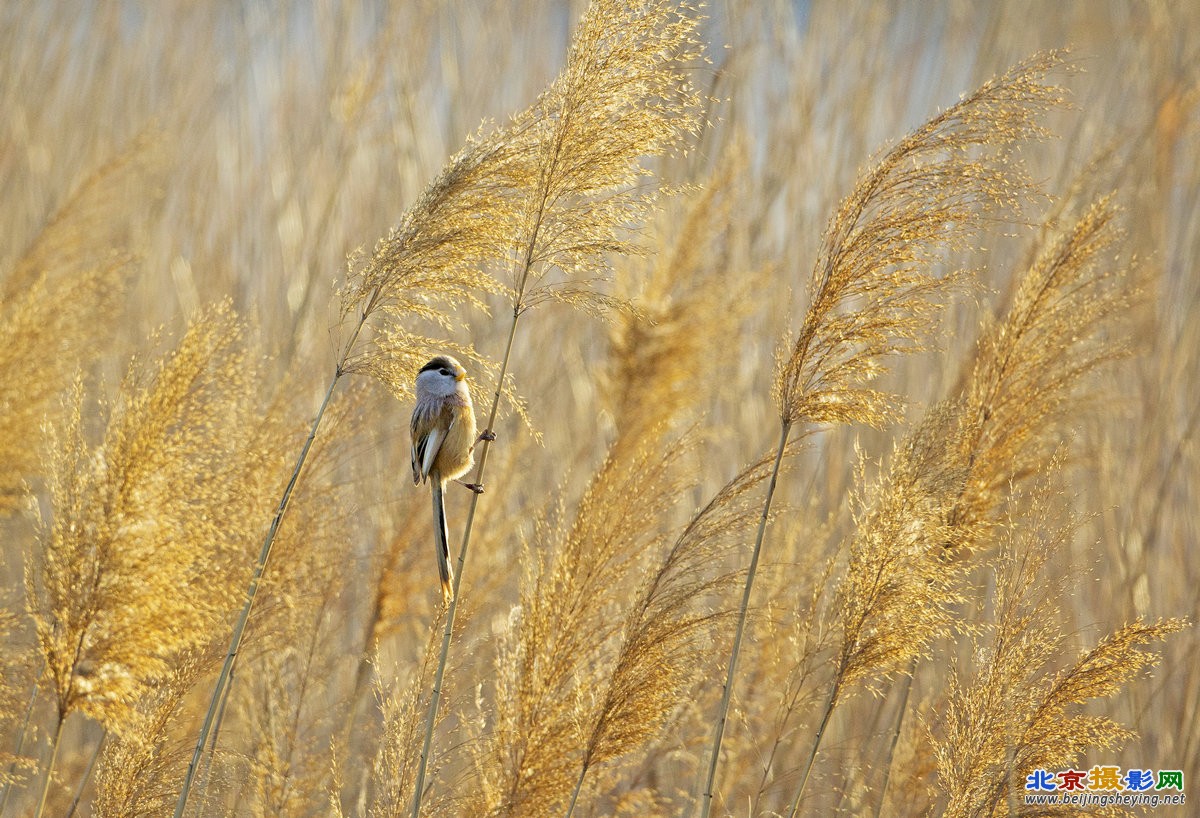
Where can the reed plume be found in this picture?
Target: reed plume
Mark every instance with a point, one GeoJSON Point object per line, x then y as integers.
{"type": "Point", "coordinates": [140, 768]}
{"type": "Point", "coordinates": [659, 653]}
{"type": "Point", "coordinates": [59, 301]}
{"type": "Point", "coordinates": [664, 353]}
{"type": "Point", "coordinates": [44, 338]}
{"type": "Point", "coordinates": [673, 347]}
{"type": "Point", "coordinates": [117, 585]}
{"type": "Point", "coordinates": [1019, 708]}
{"type": "Point", "coordinates": [122, 539]}
{"type": "Point", "coordinates": [397, 757]}
{"type": "Point", "coordinates": [93, 224]}
{"type": "Point", "coordinates": [434, 260]}
{"type": "Point", "coordinates": [875, 285]}
{"type": "Point", "coordinates": [941, 493]}
{"type": "Point", "coordinates": [623, 96]}
{"type": "Point", "coordinates": [289, 760]}
{"type": "Point", "coordinates": [559, 645]}
{"type": "Point", "coordinates": [1031, 366]}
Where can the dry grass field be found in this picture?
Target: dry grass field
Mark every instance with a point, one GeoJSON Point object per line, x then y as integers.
{"type": "Point", "coordinates": [843, 360]}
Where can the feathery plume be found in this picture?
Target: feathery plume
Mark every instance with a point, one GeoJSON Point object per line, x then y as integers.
{"type": "Point", "coordinates": [58, 302]}
{"type": "Point", "coordinates": [659, 652]}
{"type": "Point", "coordinates": [1030, 365]}
{"type": "Point", "coordinates": [93, 224]}
{"type": "Point", "coordinates": [115, 585]}
{"type": "Point", "coordinates": [140, 768]}
{"type": "Point", "coordinates": [1018, 713]}
{"type": "Point", "coordinates": [561, 640]}
{"type": "Point", "coordinates": [667, 350]}
{"type": "Point", "coordinates": [874, 289]}
{"type": "Point", "coordinates": [118, 585]}
{"type": "Point", "coordinates": [623, 96]}
{"type": "Point", "coordinates": [48, 329]}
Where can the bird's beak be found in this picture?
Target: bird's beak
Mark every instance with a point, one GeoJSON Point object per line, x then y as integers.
{"type": "Point", "coordinates": [461, 376]}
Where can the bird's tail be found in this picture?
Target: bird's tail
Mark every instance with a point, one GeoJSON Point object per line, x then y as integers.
{"type": "Point", "coordinates": [443, 542]}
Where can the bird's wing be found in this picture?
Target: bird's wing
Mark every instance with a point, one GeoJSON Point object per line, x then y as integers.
{"type": "Point", "coordinates": [428, 435]}
{"type": "Point", "coordinates": [424, 423]}
{"type": "Point", "coordinates": [415, 429]}
{"type": "Point", "coordinates": [431, 444]}
{"type": "Point", "coordinates": [416, 459]}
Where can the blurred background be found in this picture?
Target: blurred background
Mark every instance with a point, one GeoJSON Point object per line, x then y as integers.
{"type": "Point", "coordinates": [243, 150]}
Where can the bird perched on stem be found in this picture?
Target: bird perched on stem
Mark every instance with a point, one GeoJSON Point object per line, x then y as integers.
{"type": "Point", "coordinates": [443, 442]}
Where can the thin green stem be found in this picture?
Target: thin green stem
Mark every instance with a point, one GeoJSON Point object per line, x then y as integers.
{"type": "Point", "coordinates": [887, 767]}
{"type": "Point", "coordinates": [706, 803]}
{"type": "Point", "coordinates": [830, 703]}
{"type": "Point", "coordinates": [448, 631]}
{"type": "Point", "coordinates": [87, 775]}
{"type": "Point", "coordinates": [54, 745]}
{"type": "Point", "coordinates": [221, 690]}
{"type": "Point", "coordinates": [578, 786]}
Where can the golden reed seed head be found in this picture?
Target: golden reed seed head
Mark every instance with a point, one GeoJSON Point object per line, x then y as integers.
{"type": "Point", "coordinates": [875, 287]}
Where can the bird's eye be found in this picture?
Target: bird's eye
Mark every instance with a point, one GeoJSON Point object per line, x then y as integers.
{"type": "Point", "coordinates": [446, 372]}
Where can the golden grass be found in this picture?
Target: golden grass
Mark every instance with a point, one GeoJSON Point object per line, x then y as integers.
{"type": "Point", "coordinates": [134, 522]}
{"type": "Point", "coordinates": [1022, 710]}
{"type": "Point", "coordinates": [971, 467]}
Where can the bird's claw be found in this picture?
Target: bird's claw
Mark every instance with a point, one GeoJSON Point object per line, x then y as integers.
{"type": "Point", "coordinates": [475, 487]}
{"type": "Point", "coordinates": [487, 435]}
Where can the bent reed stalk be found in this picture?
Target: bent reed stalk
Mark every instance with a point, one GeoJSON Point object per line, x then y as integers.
{"type": "Point", "coordinates": [876, 283]}
{"type": "Point", "coordinates": [621, 96]}
{"type": "Point", "coordinates": [784, 432]}
{"type": "Point", "coordinates": [221, 688]}
{"type": "Point", "coordinates": [448, 630]}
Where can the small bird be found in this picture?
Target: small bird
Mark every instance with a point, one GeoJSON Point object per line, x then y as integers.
{"type": "Point", "coordinates": [443, 444]}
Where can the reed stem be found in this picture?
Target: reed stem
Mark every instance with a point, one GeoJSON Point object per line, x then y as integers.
{"type": "Point", "coordinates": [830, 703]}
{"type": "Point", "coordinates": [578, 786]}
{"type": "Point", "coordinates": [87, 775]}
{"type": "Point", "coordinates": [891, 754]}
{"type": "Point", "coordinates": [706, 803]}
{"type": "Point", "coordinates": [448, 631]}
{"type": "Point", "coordinates": [221, 690]}
{"type": "Point", "coordinates": [518, 307]}
{"type": "Point", "coordinates": [54, 745]}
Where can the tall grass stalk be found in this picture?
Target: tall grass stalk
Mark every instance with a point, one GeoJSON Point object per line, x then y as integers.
{"type": "Point", "coordinates": [55, 743]}
{"type": "Point", "coordinates": [723, 714]}
{"type": "Point", "coordinates": [448, 630]}
{"type": "Point", "coordinates": [826, 714]}
{"type": "Point", "coordinates": [621, 96]}
{"type": "Point", "coordinates": [221, 688]}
